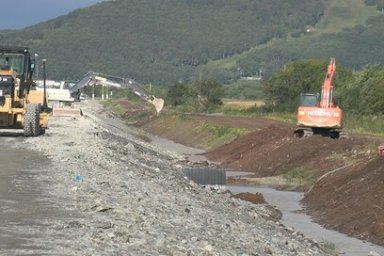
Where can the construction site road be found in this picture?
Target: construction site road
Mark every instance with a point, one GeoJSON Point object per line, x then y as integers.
{"type": "Point", "coordinates": [91, 186]}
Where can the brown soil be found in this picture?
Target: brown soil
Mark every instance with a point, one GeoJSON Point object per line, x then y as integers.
{"type": "Point", "coordinates": [347, 174]}
{"type": "Point", "coordinates": [256, 198]}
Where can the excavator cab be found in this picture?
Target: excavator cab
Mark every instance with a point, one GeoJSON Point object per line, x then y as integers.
{"type": "Point", "coordinates": [309, 99]}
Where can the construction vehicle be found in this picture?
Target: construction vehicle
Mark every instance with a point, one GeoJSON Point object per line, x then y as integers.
{"type": "Point", "coordinates": [317, 114]}
{"type": "Point", "coordinates": [56, 95]}
{"type": "Point", "coordinates": [93, 78]}
{"type": "Point", "coordinates": [21, 107]}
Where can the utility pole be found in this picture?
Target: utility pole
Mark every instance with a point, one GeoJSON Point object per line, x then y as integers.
{"type": "Point", "coordinates": [37, 66]}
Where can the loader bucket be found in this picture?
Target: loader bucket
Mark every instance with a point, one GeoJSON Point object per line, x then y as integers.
{"type": "Point", "coordinates": [71, 112]}
{"type": "Point", "coordinates": [158, 103]}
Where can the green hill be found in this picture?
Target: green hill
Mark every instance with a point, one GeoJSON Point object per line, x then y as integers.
{"type": "Point", "coordinates": [159, 41]}
{"type": "Point", "coordinates": [349, 30]}
{"type": "Point", "coordinates": [180, 40]}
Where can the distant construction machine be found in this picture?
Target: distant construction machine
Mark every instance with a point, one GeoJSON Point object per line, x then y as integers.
{"type": "Point", "coordinates": [317, 114]}
{"type": "Point", "coordinates": [92, 78]}
{"type": "Point", "coordinates": [21, 107]}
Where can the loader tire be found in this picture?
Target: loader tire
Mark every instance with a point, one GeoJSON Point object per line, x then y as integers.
{"type": "Point", "coordinates": [32, 121]}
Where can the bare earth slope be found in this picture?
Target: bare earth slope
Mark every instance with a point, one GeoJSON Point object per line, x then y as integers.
{"type": "Point", "coordinates": [348, 174]}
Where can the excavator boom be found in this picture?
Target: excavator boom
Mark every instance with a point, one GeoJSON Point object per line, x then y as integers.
{"type": "Point", "coordinates": [94, 77]}
{"type": "Point", "coordinates": [327, 88]}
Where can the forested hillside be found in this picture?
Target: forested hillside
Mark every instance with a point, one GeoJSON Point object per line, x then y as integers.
{"type": "Point", "coordinates": [170, 41]}
{"type": "Point", "coordinates": [160, 41]}
{"type": "Point", "coordinates": [350, 30]}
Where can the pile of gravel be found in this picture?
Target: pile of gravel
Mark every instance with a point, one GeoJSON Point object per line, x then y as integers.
{"type": "Point", "coordinates": [114, 194]}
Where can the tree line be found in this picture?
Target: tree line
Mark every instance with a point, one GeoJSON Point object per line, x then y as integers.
{"type": "Point", "coordinates": [359, 93]}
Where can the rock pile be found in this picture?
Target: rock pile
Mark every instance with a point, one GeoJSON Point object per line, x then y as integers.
{"type": "Point", "coordinates": [114, 194]}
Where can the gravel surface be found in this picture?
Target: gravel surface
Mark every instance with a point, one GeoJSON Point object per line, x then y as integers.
{"type": "Point", "coordinates": [107, 192]}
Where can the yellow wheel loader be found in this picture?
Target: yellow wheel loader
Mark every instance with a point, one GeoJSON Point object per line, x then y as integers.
{"type": "Point", "coordinates": [21, 107]}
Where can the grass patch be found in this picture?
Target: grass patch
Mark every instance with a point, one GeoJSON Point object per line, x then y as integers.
{"type": "Point", "coordinates": [220, 134]}
{"type": "Point", "coordinates": [373, 124]}
{"type": "Point", "coordinates": [367, 124]}
{"type": "Point", "coordinates": [241, 104]}
{"type": "Point", "coordinates": [142, 137]}
{"type": "Point", "coordinates": [344, 14]}
{"type": "Point", "coordinates": [222, 131]}
{"type": "Point", "coordinates": [295, 180]}
{"type": "Point", "coordinates": [113, 106]}
{"type": "Point", "coordinates": [258, 111]}
{"type": "Point", "coordinates": [137, 117]}
{"type": "Point", "coordinates": [299, 175]}
{"type": "Point", "coordinates": [329, 247]}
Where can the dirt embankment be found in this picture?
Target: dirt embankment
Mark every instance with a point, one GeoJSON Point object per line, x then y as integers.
{"type": "Point", "coordinates": [343, 178]}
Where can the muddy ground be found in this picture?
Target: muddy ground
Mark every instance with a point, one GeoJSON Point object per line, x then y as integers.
{"type": "Point", "coordinates": [343, 179]}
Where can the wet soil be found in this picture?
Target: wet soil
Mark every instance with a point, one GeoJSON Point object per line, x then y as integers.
{"type": "Point", "coordinates": [256, 198]}
{"type": "Point", "coordinates": [343, 179]}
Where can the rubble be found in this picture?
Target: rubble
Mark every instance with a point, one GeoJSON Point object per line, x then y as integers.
{"type": "Point", "coordinates": [114, 194]}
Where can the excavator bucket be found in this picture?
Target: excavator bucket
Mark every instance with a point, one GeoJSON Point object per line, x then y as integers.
{"type": "Point", "coordinates": [65, 107]}
{"type": "Point", "coordinates": [158, 103]}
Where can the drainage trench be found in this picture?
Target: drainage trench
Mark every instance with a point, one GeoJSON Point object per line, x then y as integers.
{"type": "Point", "coordinates": [289, 204]}
{"type": "Point", "coordinates": [286, 201]}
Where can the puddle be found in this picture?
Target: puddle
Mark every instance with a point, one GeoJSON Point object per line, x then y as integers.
{"type": "Point", "coordinates": [289, 203]}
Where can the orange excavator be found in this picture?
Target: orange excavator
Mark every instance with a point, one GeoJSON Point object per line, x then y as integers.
{"type": "Point", "coordinates": [317, 114]}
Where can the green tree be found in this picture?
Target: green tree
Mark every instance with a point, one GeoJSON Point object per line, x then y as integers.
{"type": "Point", "coordinates": [209, 93]}
{"type": "Point", "coordinates": [371, 84]}
{"type": "Point", "coordinates": [178, 94]}
{"type": "Point", "coordinates": [282, 90]}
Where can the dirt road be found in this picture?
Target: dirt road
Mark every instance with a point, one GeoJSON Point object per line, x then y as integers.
{"type": "Point", "coordinates": [18, 191]}
{"type": "Point", "coordinates": [93, 186]}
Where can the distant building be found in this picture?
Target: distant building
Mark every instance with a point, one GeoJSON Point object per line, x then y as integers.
{"type": "Point", "coordinates": [309, 29]}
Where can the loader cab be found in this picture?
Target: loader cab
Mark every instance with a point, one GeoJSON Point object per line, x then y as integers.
{"type": "Point", "coordinates": [309, 100]}
{"type": "Point", "coordinates": [12, 61]}
{"type": "Point", "coordinates": [16, 63]}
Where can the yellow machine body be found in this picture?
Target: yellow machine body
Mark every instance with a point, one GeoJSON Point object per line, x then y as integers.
{"type": "Point", "coordinates": [21, 107]}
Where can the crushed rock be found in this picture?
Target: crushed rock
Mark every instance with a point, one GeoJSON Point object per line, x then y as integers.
{"type": "Point", "coordinates": [121, 196]}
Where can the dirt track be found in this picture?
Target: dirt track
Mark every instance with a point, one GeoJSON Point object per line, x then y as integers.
{"type": "Point", "coordinates": [348, 174]}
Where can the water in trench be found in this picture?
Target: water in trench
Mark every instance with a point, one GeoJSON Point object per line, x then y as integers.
{"type": "Point", "coordinates": [288, 203]}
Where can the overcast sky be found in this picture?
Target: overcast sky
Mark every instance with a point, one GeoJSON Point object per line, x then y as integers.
{"type": "Point", "coordinates": [16, 14]}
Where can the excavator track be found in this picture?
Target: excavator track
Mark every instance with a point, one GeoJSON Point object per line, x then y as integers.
{"type": "Point", "coordinates": [305, 132]}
